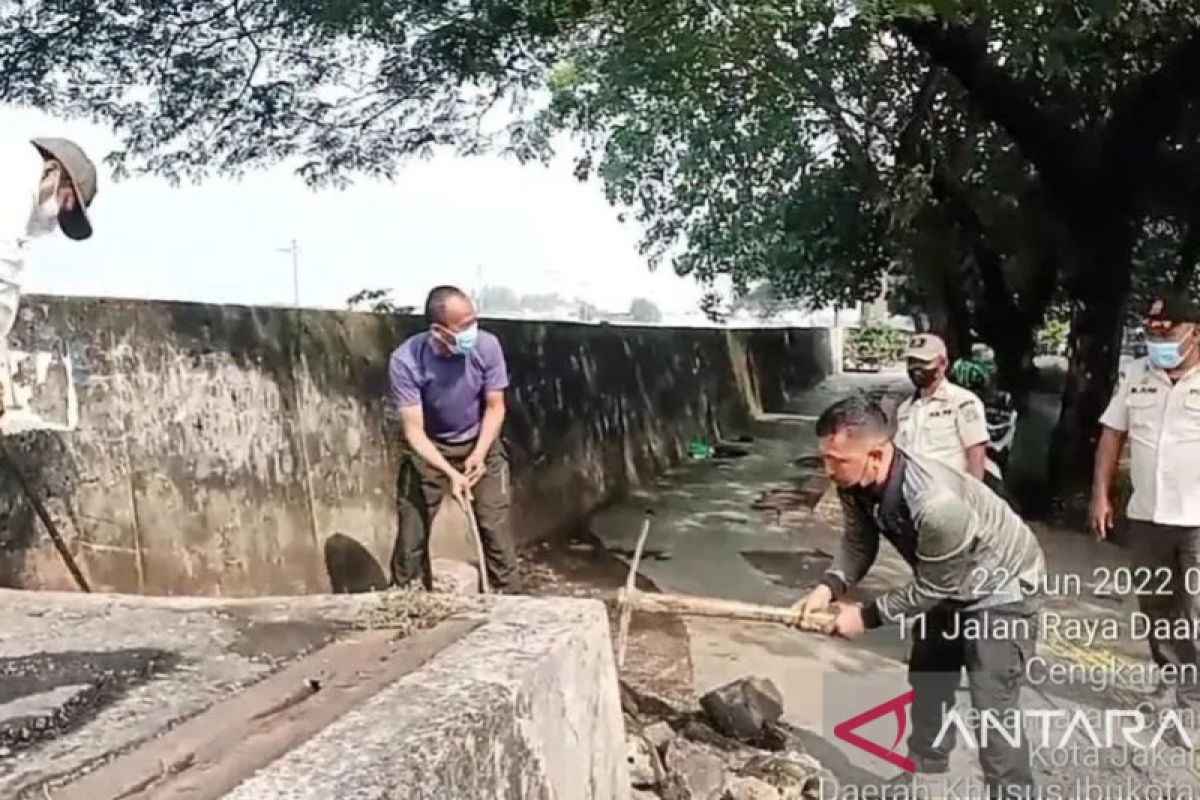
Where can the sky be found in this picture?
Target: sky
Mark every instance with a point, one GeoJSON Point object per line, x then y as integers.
{"type": "Point", "coordinates": [478, 221]}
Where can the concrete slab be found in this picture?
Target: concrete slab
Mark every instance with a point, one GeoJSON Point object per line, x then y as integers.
{"type": "Point", "coordinates": [526, 706]}
{"type": "Point", "coordinates": [107, 696]}
{"type": "Point", "coordinates": [132, 666]}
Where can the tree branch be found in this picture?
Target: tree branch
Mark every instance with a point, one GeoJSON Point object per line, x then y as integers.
{"type": "Point", "coordinates": [1146, 112]}
{"type": "Point", "coordinates": [1052, 148]}
{"type": "Point", "coordinates": [1189, 254]}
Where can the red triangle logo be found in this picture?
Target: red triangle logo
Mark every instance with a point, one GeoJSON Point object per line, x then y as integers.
{"type": "Point", "coordinates": [897, 706]}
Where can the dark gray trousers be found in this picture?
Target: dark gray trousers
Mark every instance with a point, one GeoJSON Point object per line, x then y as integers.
{"type": "Point", "coordinates": [1157, 549]}
{"type": "Point", "coordinates": [419, 494]}
{"type": "Point", "coordinates": [995, 667]}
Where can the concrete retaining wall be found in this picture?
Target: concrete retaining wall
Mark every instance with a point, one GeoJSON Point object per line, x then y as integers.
{"type": "Point", "coordinates": [236, 451]}
{"type": "Point", "coordinates": [524, 707]}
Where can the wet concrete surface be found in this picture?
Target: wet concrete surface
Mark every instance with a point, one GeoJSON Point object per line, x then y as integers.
{"type": "Point", "coordinates": [46, 695]}
{"type": "Point", "coordinates": [710, 540]}
{"type": "Point", "coordinates": [84, 678]}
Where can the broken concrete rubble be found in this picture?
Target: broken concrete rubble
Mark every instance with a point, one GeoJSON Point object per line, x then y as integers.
{"type": "Point", "coordinates": [645, 764]}
{"type": "Point", "coordinates": [658, 734]}
{"type": "Point", "coordinates": [743, 708]}
{"type": "Point", "coordinates": [694, 772]}
{"type": "Point", "coordinates": [699, 761]}
{"type": "Point", "coordinates": [750, 789]}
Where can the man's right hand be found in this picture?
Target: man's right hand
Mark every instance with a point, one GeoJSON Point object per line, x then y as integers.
{"type": "Point", "coordinates": [460, 486]}
{"type": "Point", "coordinates": [819, 599]}
{"type": "Point", "coordinates": [1102, 515]}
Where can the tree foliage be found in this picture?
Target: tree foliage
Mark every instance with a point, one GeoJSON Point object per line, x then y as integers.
{"type": "Point", "coordinates": [645, 311]}
{"type": "Point", "coordinates": [987, 160]}
{"type": "Point", "coordinates": [336, 88]}
{"type": "Point", "coordinates": [378, 301]}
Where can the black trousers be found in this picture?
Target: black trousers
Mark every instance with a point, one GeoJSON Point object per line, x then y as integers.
{"type": "Point", "coordinates": [420, 490]}
{"type": "Point", "coordinates": [1159, 551]}
{"type": "Point", "coordinates": [948, 642]}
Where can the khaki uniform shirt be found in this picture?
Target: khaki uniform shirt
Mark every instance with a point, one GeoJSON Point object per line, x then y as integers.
{"type": "Point", "coordinates": [1163, 423]}
{"type": "Point", "coordinates": [942, 426]}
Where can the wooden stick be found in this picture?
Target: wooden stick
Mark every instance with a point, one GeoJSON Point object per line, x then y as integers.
{"type": "Point", "coordinates": [630, 589]}
{"type": "Point", "coordinates": [691, 606]}
{"type": "Point", "coordinates": [39, 508]}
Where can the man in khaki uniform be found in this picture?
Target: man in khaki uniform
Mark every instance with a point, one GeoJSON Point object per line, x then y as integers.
{"type": "Point", "coordinates": [941, 421]}
{"type": "Point", "coordinates": [1156, 409]}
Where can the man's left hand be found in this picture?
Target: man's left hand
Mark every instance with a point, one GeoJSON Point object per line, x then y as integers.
{"type": "Point", "coordinates": [473, 467]}
{"type": "Point", "coordinates": [849, 621]}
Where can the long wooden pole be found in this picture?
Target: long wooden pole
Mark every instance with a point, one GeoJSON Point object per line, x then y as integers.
{"type": "Point", "coordinates": [691, 606]}
{"type": "Point", "coordinates": [630, 589]}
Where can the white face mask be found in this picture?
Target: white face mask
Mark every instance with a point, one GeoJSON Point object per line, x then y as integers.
{"type": "Point", "coordinates": [45, 217]}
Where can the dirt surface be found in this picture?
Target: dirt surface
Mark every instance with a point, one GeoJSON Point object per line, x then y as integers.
{"type": "Point", "coordinates": [658, 657]}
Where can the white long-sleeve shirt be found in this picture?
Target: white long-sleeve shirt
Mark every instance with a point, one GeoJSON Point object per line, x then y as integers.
{"type": "Point", "coordinates": [21, 167]}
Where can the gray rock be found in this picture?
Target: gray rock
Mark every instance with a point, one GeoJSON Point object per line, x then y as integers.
{"type": "Point", "coordinates": [645, 766]}
{"type": "Point", "coordinates": [693, 773]}
{"type": "Point", "coordinates": [742, 708]}
{"type": "Point", "coordinates": [794, 775]}
{"type": "Point", "coordinates": [658, 735]}
{"type": "Point", "coordinates": [642, 794]}
{"type": "Point", "coordinates": [699, 730]}
{"type": "Point", "coordinates": [643, 705]}
{"type": "Point", "coordinates": [750, 789]}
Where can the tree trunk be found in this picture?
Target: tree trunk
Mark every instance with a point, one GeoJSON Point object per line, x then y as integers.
{"type": "Point", "coordinates": [1097, 326]}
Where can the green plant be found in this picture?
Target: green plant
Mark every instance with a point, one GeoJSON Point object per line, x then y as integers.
{"type": "Point", "coordinates": [1052, 338]}
{"type": "Point", "coordinates": [875, 343]}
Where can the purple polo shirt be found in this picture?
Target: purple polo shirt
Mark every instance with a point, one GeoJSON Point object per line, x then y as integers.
{"type": "Point", "coordinates": [449, 389]}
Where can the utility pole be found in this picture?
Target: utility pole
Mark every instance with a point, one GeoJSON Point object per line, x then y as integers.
{"type": "Point", "coordinates": [295, 251]}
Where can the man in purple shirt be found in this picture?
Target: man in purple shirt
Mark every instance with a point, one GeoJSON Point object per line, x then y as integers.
{"type": "Point", "coordinates": [448, 383]}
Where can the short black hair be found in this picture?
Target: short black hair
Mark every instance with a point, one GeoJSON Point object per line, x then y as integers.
{"type": "Point", "coordinates": [439, 297]}
{"type": "Point", "coordinates": [854, 414]}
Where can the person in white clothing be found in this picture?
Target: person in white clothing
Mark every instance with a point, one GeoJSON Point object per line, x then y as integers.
{"type": "Point", "coordinates": [941, 420]}
{"type": "Point", "coordinates": [1156, 409]}
{"type": "Point", "coordinates": [45, 185]}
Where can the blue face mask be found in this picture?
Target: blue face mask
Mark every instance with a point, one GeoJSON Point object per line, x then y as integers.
{"type": "Point", "coordinates": [465, 339]}
{"type": "Point", "coordinates": [1165, 355]}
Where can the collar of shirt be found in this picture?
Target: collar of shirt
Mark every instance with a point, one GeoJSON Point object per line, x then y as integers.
{"type": "Point", "coordinates": [941, 393]}
{"type": "Point", "coordinates": [889, 492]}
{"type": "Point", "coordinates": [1162, 377]}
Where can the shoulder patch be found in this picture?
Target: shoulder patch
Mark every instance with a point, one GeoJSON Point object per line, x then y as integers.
{"type": "Point", "coordinates": [970, 411]}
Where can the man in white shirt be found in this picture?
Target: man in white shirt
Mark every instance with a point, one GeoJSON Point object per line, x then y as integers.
{"type": "Point", "coordinates": [941, 421]}
{"type": "Point", "coordinates": [1157, 410]}
{"type": "Point", "coordinates": [45, 185]}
